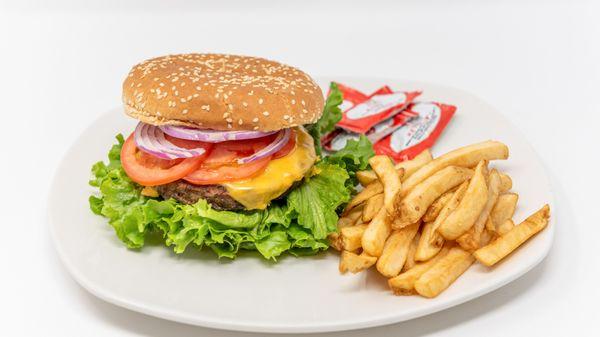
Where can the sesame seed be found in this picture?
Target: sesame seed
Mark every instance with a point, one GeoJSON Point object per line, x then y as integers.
{"type": "Point", "coordinates": [139, 85]}
{"type": "Point", "coordinates": [303, 103]}
{"type": "Point", "coordinates": [255, 119]}
{"type": "Point", "coordinates": [293, 101]}
{"type": "Point", "coordinates": [266, 113]}
{"type": "Point", "coordinates": [255, 128]}
{"type": "Point", "coordinates": [198, 88]}
{"type": "Point", "coordinates": [182, 100]}
{"type": "Point", "coordinates": [189, 97]}
{"type": "Point", "coordinates": [225, 115]}
{"type": "Point", "coordinates": [176, 93]}
{"type": "Point", "coordinates": [217, 95]}
{"type": "Point", "coordinates": [260, 101]}
{"type": "Point", "coordinates": [286, 116]}
{"type": "Point", "coordinates": [240, 121]}
{"type": "Point", "coordinates": [196, 95]}
{"type": "Point", "coordinates": [184, 111]}
{"type": "Point", "coordinates": [161, 84]}
{"type": "Point", "coordinates": [244, 104]}
{"type": "Point", "coordinates": [182, 84]}
{"type": "Point", "coordinates": [229, 120]}
{"type": "Point", "coordinates": [206, 107]}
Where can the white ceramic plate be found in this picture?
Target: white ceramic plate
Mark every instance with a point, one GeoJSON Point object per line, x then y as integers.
{"type": "Point", "coordinates": [296, 294]}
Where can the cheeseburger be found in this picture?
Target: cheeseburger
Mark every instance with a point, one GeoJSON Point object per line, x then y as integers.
{"type": "Point", "coordinates": [226, 154]}
{"type": "Point", "coordinates": [224, 128]}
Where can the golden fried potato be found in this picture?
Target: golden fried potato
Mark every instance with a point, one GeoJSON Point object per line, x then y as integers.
{"type": "Point", "coordinates": [471, 240]}
{"type": "Point", "coordinates": [404, 284]}
{"type": "Point", "coordinates": [471, 205]}
{"type": "Point", "coordinates": [352, 236]}
{"type": "Point", "coordinates": [372, 206]}
{"type": "Point", "coordinates": [368, 192]}
{"type": "Point", "coordinates": [415, 203]}
{"type": "Point", "coordinates": [350, 218]}
{"type": "Point", "coordinates": [355, 263]}
{"type": "Point", "coordinates": [436, 207]}
{"type": "Point", "coordinates": [410, 166]}
{"type": "Point", "coordinates": [431, 241]}
{"type": "Point", "coordinates": [390, 178]}
{"type": "Point", "coordinates": [505, 227]}
{"type": "Point", "coordinates": [395, 250]}
{"type": "Point", "coordinates": [377, 232]}
{"type": "Point", "coordinates": [506, 244]}
{"type": "Point", "coordinates": [468, 156]}
{"type": "Point", "coordinates": [443, 273]}
{"type": "Point", "coordinates": [410, 256]}
{"type": "Point", "coordinates": [506, 182]}
{"type": "Point", "coordinates": [504, 208]}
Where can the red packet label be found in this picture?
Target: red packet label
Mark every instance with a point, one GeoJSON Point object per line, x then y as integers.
{"type": "Point", "coordinates": [363, 116]}
{"type": "Point", "coordinates": [419, 133]}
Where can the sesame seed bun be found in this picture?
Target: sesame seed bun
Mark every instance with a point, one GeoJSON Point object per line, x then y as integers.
{"type": "Point", "coordinates": [221, 92]}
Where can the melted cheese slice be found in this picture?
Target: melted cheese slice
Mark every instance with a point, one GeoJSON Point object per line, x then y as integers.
{"type": "Point", "coordinates": [278, 176]}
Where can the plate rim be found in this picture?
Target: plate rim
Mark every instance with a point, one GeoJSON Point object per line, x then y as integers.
{"type": "Point", "coordinates": [227, 324]}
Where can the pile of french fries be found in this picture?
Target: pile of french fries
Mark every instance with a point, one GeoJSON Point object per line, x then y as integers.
{"type": "Point", "coordinates": [422, 223]}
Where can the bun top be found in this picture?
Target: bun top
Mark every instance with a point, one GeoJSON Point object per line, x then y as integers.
{"type": "Point", "coordinates": [221, 92]}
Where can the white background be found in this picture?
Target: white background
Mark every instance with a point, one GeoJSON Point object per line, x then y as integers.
{"type": "Point", "coordinates": [538, 62]}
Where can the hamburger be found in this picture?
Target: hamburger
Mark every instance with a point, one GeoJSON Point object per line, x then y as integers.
{"type": "Point", "coordinates": [226, 154]}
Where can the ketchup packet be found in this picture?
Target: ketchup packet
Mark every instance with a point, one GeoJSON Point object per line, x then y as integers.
{"type": "Point", "coordinates": [418, 134]}
{"type": "Point", "coordinates": [361, 116]}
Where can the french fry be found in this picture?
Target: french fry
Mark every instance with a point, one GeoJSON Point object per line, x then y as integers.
{"type": "Point", "coordinates": [441, 275]}
{"type": "Point", "coordinates": [395, 250]}
{"type": "Point", "coordinates": [390, 178]}
{"type": "Point", "coordinates": [471, 240]}
{"type": "Point", "coordinates": [335, 241]}
{"type": "Point", "coordinates": [410, 166]}
{"type": "Point", "coordinates": [506, 182]}
{"type": "Point", "coordinates": [410, 256]}
{"type": "Point", "coordinates": [350, 218]}
{"type": "Point", "coordinates": [404, 284]}
{"type": "Point", "coordinates": [468, 156]}
{"type": "Point", "coordinates": [506, 244]}
{"type": "Point", "coordinates": [505, 227]}
{"type": "Point", "coordinates": [368, 192]}
{"type": "Point", "coordinates": [436, 207]}
{"type": "Point", "coordinates": [504, 208]}
{"type": "Point", "coordinates": [471, 205]}
{"type": "Point", "coordinates": [431, 241]}
{"type": "Point", "coordinates": [415, 204]}
{"type": "Point", "coordinates": [413, 165]}
{"type": "Point", "coordinates": [366, 177]}
{"type": "Point", "coordinates": [372, 206]}
{"type": "Point", "coordinates": [355, 263]}
{"type": "Point", "coordinates": [377, 232]}
{"type": "Point", "coordinates": [352, 236]}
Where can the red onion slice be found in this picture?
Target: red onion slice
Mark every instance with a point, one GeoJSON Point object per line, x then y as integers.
{"type": "Point", "coordinates": [151, 139]}
{"type": "Point", "coordinates": [211, 136]}
{"type": "Point", "coordinates": [282, 138]}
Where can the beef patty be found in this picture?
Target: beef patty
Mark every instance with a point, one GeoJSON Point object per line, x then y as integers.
{"type": "Point", "coordinates": [215, 195]}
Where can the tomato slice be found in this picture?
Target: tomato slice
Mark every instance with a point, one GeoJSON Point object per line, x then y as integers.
{"type": "Point", "coordinates": [215, 175]}
{"type": "Point", "coordinates": [148, 170]}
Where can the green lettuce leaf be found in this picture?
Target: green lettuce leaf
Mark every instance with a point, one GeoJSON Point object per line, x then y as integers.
{"type": "Point", "coordinates": [314, 203]}
{"type": "Point", "coordinates": [332, 114]}
{"type": "Point", "coordinates": [353, 157]}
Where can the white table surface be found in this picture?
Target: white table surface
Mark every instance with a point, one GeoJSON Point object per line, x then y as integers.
{"type": "Point", "coordinates": [538, 62]}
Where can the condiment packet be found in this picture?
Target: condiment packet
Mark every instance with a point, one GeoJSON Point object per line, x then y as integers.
{"type": "Point", "coordinates": [360, 116]}
{"type": "Point", "coordinates": [417, 134]}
